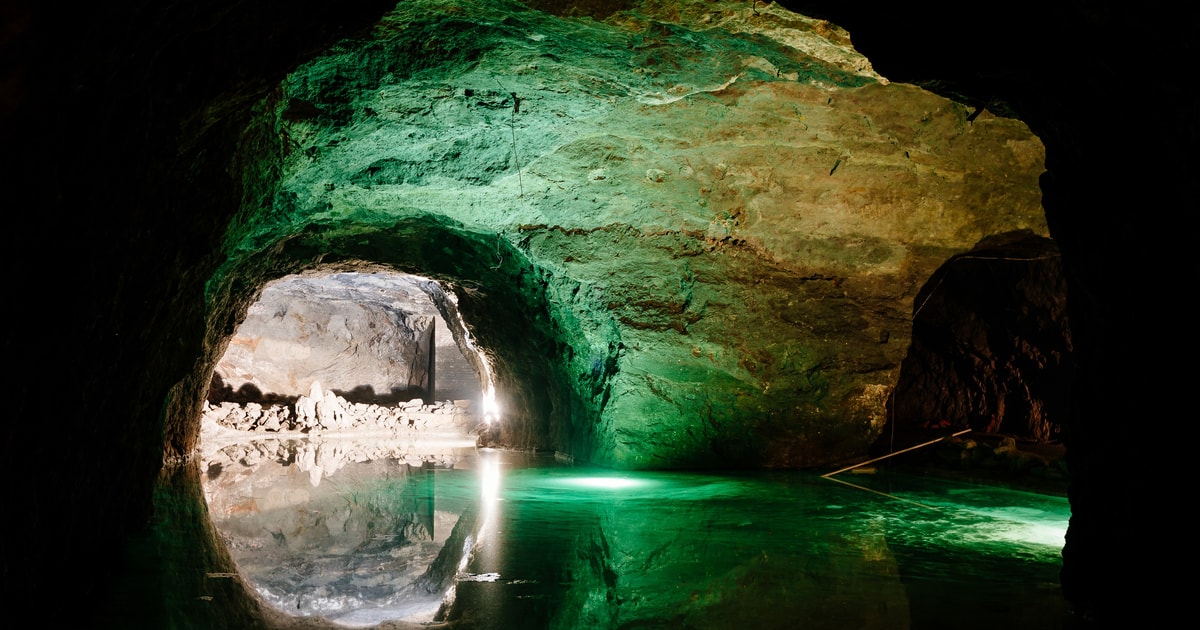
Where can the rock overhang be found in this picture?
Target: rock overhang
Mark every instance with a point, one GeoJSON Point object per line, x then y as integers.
{"type": "Point", "coordinates": [705, 231]}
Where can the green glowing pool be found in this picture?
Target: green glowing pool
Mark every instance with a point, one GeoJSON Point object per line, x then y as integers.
{"type": "Point", "coordinates": [487, 539]}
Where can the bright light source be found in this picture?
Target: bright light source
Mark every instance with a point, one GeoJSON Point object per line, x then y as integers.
{"type": "Point", "coordinates": [604, 483]}
{"type": "Point", "coordinates": [1054, 536]}
{"type": "Point", "coordinates": [491, 411]}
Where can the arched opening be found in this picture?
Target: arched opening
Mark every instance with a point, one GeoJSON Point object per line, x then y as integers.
{"type": "Point", "coordinates": [337, 430]}
{"type": "Point", "coordinates": [370, 339]}
{"type": "Point", "coordinates": [520, 343]}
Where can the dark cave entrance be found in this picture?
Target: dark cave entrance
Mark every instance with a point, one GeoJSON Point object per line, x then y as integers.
{"type": "Point", "coordinates": [991, 354]}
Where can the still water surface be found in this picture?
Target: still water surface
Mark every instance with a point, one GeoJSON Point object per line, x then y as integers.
{"type": "Point", "coordinates": [361, 533]}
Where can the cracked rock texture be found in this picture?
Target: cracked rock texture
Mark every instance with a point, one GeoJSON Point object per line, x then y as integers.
{"type": "Point", "coordinates": [712, 225]}
{"type": "Point", "coordinates": [991, 348]}
{"type": "Point", "coordinates": [365, 338]}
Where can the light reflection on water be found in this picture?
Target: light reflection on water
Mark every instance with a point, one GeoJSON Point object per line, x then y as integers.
{"type": "Point", "coordinates": [486, 539]}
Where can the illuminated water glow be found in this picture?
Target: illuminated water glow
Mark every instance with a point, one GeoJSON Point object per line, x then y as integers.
{"type": "Point", "coordinates": [540, 543]}
{"type": "Point", "coordinates": [605, 483]}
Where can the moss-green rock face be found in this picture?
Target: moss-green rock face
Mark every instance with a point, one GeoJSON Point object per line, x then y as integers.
{"type": "Point", "coordinates": [687, 234]}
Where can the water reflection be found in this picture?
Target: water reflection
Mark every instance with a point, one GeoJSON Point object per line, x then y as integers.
{"type": "Point", "coordinates": [486, 539]}
{"type": "Point", "coordinates": [357, 532]}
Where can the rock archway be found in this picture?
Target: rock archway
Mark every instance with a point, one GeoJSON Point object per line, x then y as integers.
{"type": "Point", "coordinates": [699, 248]}
{"type": "Point", "coordinates": [512, 322]}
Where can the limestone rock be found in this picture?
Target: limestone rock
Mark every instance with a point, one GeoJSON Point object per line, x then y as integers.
{"type": "Point", "coordinates": [326, 412]}
{"type": "Point", "coordinates": [366, 339]}
{"type": "Point", "coordinates": [701, 247]}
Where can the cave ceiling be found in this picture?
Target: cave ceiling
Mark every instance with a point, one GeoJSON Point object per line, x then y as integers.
{"type": "Point", "coordinates": [712, 219]}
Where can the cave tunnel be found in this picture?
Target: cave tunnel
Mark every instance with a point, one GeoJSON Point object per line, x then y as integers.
{"type": "Point", "coordinates": [371, 338]}
{"type": "Point", "coordinates": [497, 292]}
{"type": "Point", "coordinates": [700, 249]}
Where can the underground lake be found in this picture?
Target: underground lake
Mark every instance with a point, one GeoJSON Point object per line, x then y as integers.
{"type": "Point", "coordinates": [363, 533]}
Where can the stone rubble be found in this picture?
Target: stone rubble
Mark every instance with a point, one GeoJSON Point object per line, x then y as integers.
{"type": "Point", "coordinates": [324, 411]}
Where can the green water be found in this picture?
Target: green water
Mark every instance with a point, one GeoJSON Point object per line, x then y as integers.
{"type": "Point", "coordinates": [494, 539]}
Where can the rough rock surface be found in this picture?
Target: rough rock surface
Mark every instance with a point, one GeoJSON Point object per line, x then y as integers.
{"type": "Point", "coordinates": [991, 347]}
{"type": "Point", "coordinates": [714, 228]}
{"type": "Point", "coordinates": [323, 410]}
{"type": "Point", "coordinates": [366, 338]}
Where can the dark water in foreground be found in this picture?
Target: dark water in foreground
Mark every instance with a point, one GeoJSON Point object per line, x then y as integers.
{"type": "Point", "coordinates": [507, 540]}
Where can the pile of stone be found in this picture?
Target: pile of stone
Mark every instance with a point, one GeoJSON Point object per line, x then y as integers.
{"type": "Point", "coordinates": [323, 410]}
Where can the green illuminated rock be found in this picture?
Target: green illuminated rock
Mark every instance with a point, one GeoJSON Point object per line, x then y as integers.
{"type": "Point", "coordinates": [684, 237]}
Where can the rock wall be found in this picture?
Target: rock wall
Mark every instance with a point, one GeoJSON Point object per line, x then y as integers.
{"type": "Point", "coordinates": [991, 348]}
{"type": "Point", "coordinates": [454, 377]}
{"type": "Point", "coordinates": [683, 242]}
{"type": "Point", "coordinates": [323, 411]}
{"type": "Point", "coordinates": [365, 336]}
